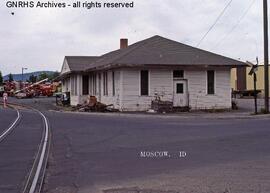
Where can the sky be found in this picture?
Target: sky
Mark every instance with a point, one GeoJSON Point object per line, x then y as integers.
{"type": "Point", "coordinates": [39, 38]}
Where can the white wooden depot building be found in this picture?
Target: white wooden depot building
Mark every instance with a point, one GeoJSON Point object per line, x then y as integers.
{"type": "Point", "coordinates": [131, 77]}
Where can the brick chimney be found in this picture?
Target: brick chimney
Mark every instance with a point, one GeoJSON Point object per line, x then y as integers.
{"type": "Point", "coordinates": [123, 43]}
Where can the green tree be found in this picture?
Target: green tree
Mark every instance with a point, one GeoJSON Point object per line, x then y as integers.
{"type": "Point", "coordinates": [54, 75]}
{"type": "Point", "coordinates": [43, 76]}
{"type": "Point", "coordinates": [33, 78]}
{"type": "Point", "coordinates": [1, 79]}
{"type": "Point", "coordinates": [10, 77]}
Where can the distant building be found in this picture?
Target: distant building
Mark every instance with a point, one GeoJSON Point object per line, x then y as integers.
{"type": "Point", "coordinates": [131, 77]}
{"type": "Point", "coordinates": [242, 81]}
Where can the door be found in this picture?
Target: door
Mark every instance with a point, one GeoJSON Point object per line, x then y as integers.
{"type": "Point", "coordinates": [180, 96]}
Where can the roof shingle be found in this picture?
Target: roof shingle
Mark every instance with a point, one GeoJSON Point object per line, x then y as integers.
{"type": "Point", "coordinates": [80, 63]}
{"type": "Point", "coordinates": [158, 50]}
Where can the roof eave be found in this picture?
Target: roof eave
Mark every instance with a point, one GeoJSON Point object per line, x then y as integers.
{"type": "Point", "coordinates": [110, 66]}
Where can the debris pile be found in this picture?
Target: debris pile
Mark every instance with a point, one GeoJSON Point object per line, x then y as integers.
{"type": "Point", "coordinates": [11, 87]}
{"type": "Point", "coordinates": [162, 106]}
{"type": "Point", "coordinates": [92, 105]}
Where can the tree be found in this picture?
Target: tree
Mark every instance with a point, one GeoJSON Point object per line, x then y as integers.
{"type": "Point", "coordinates": [33, 78]}
{"type": "Point", "coordinates": [50, 76]}
{"type": "Point", "coordinates": [1, 79]}
{"type": "Point", "coordinates": [54, 75]}
{"type": "Point", "coordinates": [10, 78]}
{"type": "Point", "coordinates": [43, 76]}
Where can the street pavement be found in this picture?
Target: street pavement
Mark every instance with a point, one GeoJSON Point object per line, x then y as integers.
{"type": "Point", "coordinates": [92, 153]}
{"type": "Point", "coordinates": [18, 149]}
{"type": "Point", "coordinates": [7, 117]}
{"type": "Point", "coordinates": [248, 105]}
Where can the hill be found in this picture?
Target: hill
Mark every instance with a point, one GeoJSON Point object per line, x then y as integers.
{"type": "Point", "coordinates": [18, 77]}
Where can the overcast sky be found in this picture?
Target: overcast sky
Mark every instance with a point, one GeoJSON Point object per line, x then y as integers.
{"type": "Point", "coordinates": [40, 38]}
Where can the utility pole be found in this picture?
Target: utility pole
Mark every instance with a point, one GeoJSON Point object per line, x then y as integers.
{"type": "Point", "coordinates": [22, 76]}
{"type": "Point", "coordinates": [255, 86]}
{"type": "Point", "coordinates": [22, 72]}
{"type": "Point", "coordinates": [266, 59]}
{"type": "Point", "coordinates": [254, 69]}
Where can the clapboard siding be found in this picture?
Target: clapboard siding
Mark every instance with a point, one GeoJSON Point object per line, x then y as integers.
{"type": "Point", "coordinates": [131, 99]}
{"type": "Point", "coordinates": [65, 67]}
{"type": "Point", "coordinates": [76, 96]}
{"type": "Point", "coordinates": [66, 85]}
{"type": "Point", "coordinates": [160, 83]}
{"type": "Point", "coordinates": [110, 99]}
{"type": "Point", "coordinates": [127, 89]}
{"type": "Point", "coordinates": [197, 87]}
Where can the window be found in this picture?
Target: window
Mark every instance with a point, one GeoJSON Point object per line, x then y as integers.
{"type": "Point", "coordinates": [179, 88]}
{"type": "Point", "coordinates": [85, 85]}
{"type": "Point", "coordinates": [178, 74]}
{"type": "Point", "coordinates": [113, 83]}
{"type": "Point", "coordinates": [144, 82]}
{"type": "Point", "coordinates": [210, 82]}
{"type": "Point", "coordinates": [105, 83]}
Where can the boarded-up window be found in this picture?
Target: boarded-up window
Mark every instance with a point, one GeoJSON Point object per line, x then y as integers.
{"type": "Point", "coordinates": [85, 84]}
{"type": "Point", "coordinates": [113, 83]}
{"type": "Point", "coordinates": [210, 82]}
{"type": "Point", "coordinates": [144, 83]}
{"type": "Point", "coordinates": [105, 83]}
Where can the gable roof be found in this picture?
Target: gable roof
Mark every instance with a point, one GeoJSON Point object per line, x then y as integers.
{"type": "Point", "coordinates": [80, 63]}
{"type": "Point", "coordinates": [158, 50]}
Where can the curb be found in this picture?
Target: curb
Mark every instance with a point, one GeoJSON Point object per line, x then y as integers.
{"type": "Point", "coordinates": [165, 116]}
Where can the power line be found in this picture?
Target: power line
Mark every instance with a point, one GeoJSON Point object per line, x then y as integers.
{"type": "Point", "coordinates": [212, 26]}
{"type": "Point", "coordinates": [236, 25]}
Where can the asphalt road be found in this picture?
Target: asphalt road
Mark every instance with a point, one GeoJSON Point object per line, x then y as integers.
{"type": "Point", "coordinates": [7, 117]}
{"type": "Point", "coordinates": [92, 153]}
{"type": "Point", "coordinates": [18, 149]}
